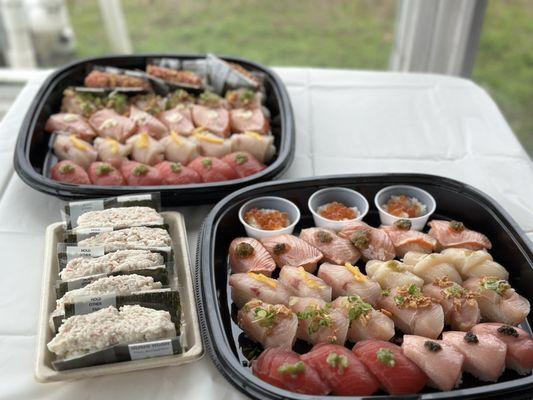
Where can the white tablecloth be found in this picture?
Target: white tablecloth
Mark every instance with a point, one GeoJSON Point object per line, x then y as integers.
{"type": "Point", "coordinates": [347, 122]}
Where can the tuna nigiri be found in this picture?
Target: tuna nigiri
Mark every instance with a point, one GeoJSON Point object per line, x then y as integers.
{"type": "Point", "coordinates": [283, 368]}
{"type": "Point", "coordinates": [335, 249]}
{"type": "Point", "coordinates": [68, 172]}
{"type": "Point", "coordinates": [213, 169]}
{"type": "Point", "coordinates": [404, 239]}
{"type": "Point", "coordinates": [292, 251]}
{"type": "Point", "coordinates": [347, 280]}
{"type": "Point", "coordinates": [396, 373]}
{"type": "Point", "coordinates": [441, 362]}
{"type": "Point", "coordinates": [455, 234]}
{"type": "Point", "coordinates": [519, 355]}
{"type": "Point", "coordinates": [484, 353]}
{"type": "Point", "coordinates": [243, 163]}
{"type": "Point", "coordinates": [250, 285]}
{"type": "Point", "coordinates": [365, 322]}
{"type": "Point", "coordinates": [341, 370]}
{"type": "Point", "coordinates": [249, 255]}
{"type": "Point", "coordinates": [174, 173]}
{"type": "Point", "coordinates": [270, 325]}
{"type": "Point", "coordinates": [137, 174]}
{"type": "Point", "coordinates": [303, 284]}
{"type": "Point", "coordinates": [101, 173]}
{"type": "Point", "coordinates": [374, 244]}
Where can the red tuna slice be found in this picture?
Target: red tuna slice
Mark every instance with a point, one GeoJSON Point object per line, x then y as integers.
{"type": "Point", "coordinates": [244, 163]}
{"type": "Point", "coordinates": [215, 120]}
{"type": "Point", "coordinates": [146, 122]}
{"type": "Point", "coordinates": [177, 174]}
{"type": "Point", "coordinates": [68, 172]}
{"type": "Point", "coordinates": [249, 255]}
{"type": "Point", "coordinates": [373, 243]}
{"type": "Point", "coordinates": [178, 119]}
{"type": "Point", "coordinates": [212, 169]}
{"type": "Point", "coordinates": [138, 174]}
{"type": "Point", "coordinates": [454, 234]}
{"type": "Point", "coordinates": [341, 370]}
{"type": "Point", "coordinates": [396, 373]}
{"type": "Point", "coordinates": [283, 368]}
{"type": "Point", "coordinates": [108, 123]}
{"type": "Point", "coordinates": [104, 174]}
{"type": "Point", "coordinates": [243, 120]}
{"type": "Point", "coordinates": [70, 123]}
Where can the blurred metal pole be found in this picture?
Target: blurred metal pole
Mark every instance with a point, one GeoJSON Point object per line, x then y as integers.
{"type": "Point", "coordinates": [439, 36]}
{"type": "Point", "coordinates": [115, 25]}
{"type": "Point", "coordinates": [19, 51]}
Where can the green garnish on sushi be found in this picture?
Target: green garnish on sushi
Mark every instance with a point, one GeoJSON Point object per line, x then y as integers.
{"type": "Point", "coordinates": [403, 224]}
{"type": "Point", "coordinates": [386, 356]}
{"type": "Point", "coordinates": [241, 158]}
{"type": "Point", "coordinates": [140, 170]}
{"type": "Point", "coordinates": [207, 162]}
{"type": "Point", "coordinates": [319, 319]}
{"type": "Point", "coordinates": [176, 167]}
{"type": "Point", "coordinates": [361, 239]}
{"type": "Point", "coordinates": [244, 250]}
{"type": "Point", "coordinates": [324, 236]}
{"type": "Point", "coordinates": [457, 226]}
{"type": "Point", "coordinates": [338, 361]}
{"type": "Point", "coordinates": [293, 369]}
{"type": "Point", "coordinates": [357, 307]}
{"type": "Point", "coordinates": [104, 169]}
{"type": "Point", "coordinates": [498, 285]}
{"type": "Point", "coordinates": [265, 318]}
{"type": "Point", "coordinates": [66, 169]}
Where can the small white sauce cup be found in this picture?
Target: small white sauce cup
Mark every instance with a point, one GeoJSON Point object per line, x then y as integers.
{"type": "Point", "coordinates": [348, 197]}
{"type": "Point", "coordinates": [384, 195]}
{"type": "Point", "coordinates": [270, 203]}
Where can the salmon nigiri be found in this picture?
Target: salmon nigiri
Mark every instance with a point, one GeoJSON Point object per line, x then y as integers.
{"type": "Point", "coordinates": [303, 284]}
{"type": "Point", "coordinates": [455, 234]}
{"type": "Point", "coordinates": [374, 244]}
{"type": "Point", "coordinates": [283, 368]}
{"type": "Point", "coordinates": [249, 255]}
{"type": "Point", "coordinates": [441, 362]}
{"type": "Point", "coordinates": [498, 301]}
{"type": "Point", "coordinates": [341, 370]}
{"type": "Point", "coordinates": [404, 239]}
{"type": "Point", "coordinates": [347, 280]}
{"type": "Point", "coordinates": [336, 250]}
{"type": "Point", "coordinates": [396, 373]}
{"type": "Point", "coordinates": [519, 345]}
{"type": "Point", "coordinates": [484, 353]}
{"type": "Point", "coordinates": [248, 286]}
{"type": "Point", "coordinates": [413, 312]}
{"type": "Point", "coordinates": [271, 325]}
{"type": "Point", "coordinates": [290, 250]}
{"type": "Point", "coordinates": [365, 322]}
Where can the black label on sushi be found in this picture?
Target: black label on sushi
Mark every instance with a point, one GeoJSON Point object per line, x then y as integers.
{"type": "Point", "coordinates": [159, 348]}
{"type": "Point", "coordinates": [89, 304]}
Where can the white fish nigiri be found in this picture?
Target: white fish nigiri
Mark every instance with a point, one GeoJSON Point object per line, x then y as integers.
{"type": "Point", "coordinates": [303, 284]}
{"type": "Point", "coordinates": [431, 266]}
{"type": "Point", "coordinates": [248, 286]}
{"type": "Point", "coordinates": [475, 264]}
{"type": "Point", "coordinates": [390, 274]}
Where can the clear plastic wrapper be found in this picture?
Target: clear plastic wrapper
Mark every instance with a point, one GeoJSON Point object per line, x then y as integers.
{"type": "Point", "coordinates": [224, 76]}
{"type": "Point", "coordinates": [175, 65]}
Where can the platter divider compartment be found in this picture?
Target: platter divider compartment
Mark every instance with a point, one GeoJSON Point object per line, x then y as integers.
{"type": "Point", "coordinates": [182, 272]}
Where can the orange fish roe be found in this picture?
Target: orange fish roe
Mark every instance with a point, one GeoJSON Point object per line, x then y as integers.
{"type": "Point", "coordinates": [268, 220]}
{"type": "Point", "coordinates": [336, 211]}
{"type": "Point", "coordinates": [404, 207]}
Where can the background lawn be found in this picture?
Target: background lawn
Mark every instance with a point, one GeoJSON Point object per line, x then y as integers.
{"type": "Point", "coordinates": [323, 33]}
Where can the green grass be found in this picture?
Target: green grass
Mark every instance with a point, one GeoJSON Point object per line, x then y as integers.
{"type": "Point", "coordinates": [322, 33]}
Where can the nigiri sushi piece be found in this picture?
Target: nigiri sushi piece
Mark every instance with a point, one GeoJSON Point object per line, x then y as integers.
{"type": "Point", "coordinates": [441, 362]}
{"type": "Point", "coordinates": [108, 80]}
{"type": "Point", "coordinates": [404, 239]}
{"type": "Point", "coordinates": [431, 266]}
{"type": "Point", "coordinates": [211, 145]}
{"type": "Point", "coordinates": [250, 285]}
{"type": "Point", "coordinates": [248, 255]}
{"type": "Point", "coordinates": [212, 100]}
{"type": "Point", "coordinates": [260, 146]}
{"type": "Point", "coordinates": [365, 322]}
{"type": "Point", "coordinates": [290, 250]}
{"type": "Point", "coordinates": [176, 173]}
{"type": "Point", "coordinates": [390, 274]}
{"type": "Point", "coordinates": [413, 312]}
{"type": "Point", "coordinates": [111, 151]}
{"type": "Point", "coordinates": [177, 77]}
{"type": "Point", "coordinates": [69, 123]}
{"type": "Point", "coordinates": [215, 120]}
{"type": "Point", "coordinates": [212, 169]}
{"type": "Point", "coordinates": [498, 301]}
{"type": "Point", "coordinates": [243, 120]}
{"type": "Point", "coordinates": [396, 373]}
{"type": "Point", "coordinates": [146, 149]}
{"type": "Point", "coordinates": [374, 244]}
{"type": "Point", "coordinates": [460, 307]}
{"type": "Point", "coordinates": [147, 123]}
{"type": "Point", "coordinates": [68, 172]}
{"type": "Point", "coordinates": [178, 119]}
{"type": "Point", "coordinates": [475, 263]}
{"type": "Point", "coordinates": [179, 149]}
{"type": "Point", "coordinates": [455, 234]}
{"type": "Point", "coordinates": [243, 98]}
{"type": "Point", "coordinates": [270, 325]}
{"type": "Point", "coordinates": [282, 367]}
{"type": "Point", "coordinates": [137, 174]}
{"type": "Point", "coordinates": [303, 284]}
{"type": "Point", "coordinates": [336, 250]}
{"type": "Point", "coordinates": [243, 163]}
{"type": "Point", "coordinates": [318, 322]}
{"type": "Point", "coordinates": [74, 149]}
{"type": "Point", "coordinates": [347, 280]}
{"type": "Point", "coordinates": [519, 355]}
{"type": "Point", "coordinates": [484, 353]}
{"type": "Point", "coordinates": [104, 174]}
{"type": "Point", "coordinates": [108, 123]}
{"type": "Point", "coordinates": [341, 370]}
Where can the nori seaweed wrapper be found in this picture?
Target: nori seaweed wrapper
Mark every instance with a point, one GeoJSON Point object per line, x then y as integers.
{"type": "Point", "coordinates": [175, 64]}
{"type": "Point", "coordinates": [224, 76]}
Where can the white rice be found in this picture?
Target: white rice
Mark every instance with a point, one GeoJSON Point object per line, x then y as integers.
{"type": "Point", "coordinates": [120, 217]}
{"type": "Point", "coordinates": [140, 237]}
